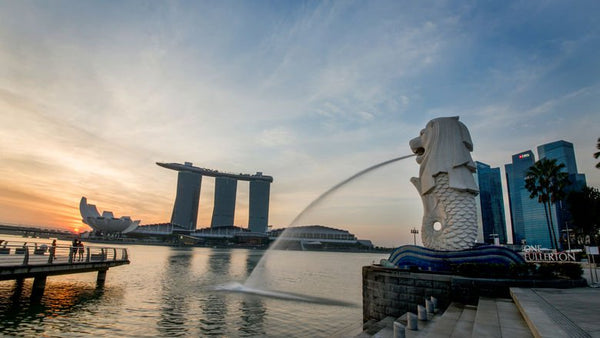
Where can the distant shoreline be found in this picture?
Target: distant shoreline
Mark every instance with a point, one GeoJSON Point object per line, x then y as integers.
{"type": "Point", "coordinates": [248, 247]}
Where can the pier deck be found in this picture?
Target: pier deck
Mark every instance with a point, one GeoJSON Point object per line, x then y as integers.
{"type": "Point", "coordinates": [40, 260]}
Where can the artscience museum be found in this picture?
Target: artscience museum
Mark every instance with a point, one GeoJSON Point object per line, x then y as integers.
{"type": "Point", "coordinates": [105, 223]}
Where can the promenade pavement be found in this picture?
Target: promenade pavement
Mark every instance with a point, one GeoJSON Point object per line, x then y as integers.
{"type": "Point", "coordinates": [560, 312]}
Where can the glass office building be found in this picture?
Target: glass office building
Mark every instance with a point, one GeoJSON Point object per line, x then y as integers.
{"type": "Point", "coordinates": [563, 152]}
{"type": "Point", "coordinates": [491, 203]}
{"type": "Point", "coordinates": [527, 215]}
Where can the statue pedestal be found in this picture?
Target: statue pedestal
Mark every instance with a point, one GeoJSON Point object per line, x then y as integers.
{"type": "Point", "coordinates": [393, 291]}
{"type": "Point", "coordinates": [417, 258]}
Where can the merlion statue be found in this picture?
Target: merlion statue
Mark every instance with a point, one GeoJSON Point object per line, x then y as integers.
{"type": "Point", "coordinates": [446, 184]}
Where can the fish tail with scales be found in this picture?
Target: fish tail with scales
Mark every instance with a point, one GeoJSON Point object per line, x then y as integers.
{"type": "Point", "coordinates": [459, 220]}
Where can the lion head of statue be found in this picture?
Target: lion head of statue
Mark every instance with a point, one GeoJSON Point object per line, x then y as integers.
{"type": "Point", "coordinates": [444, 146]}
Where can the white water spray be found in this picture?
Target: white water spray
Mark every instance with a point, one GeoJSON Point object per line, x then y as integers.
{"type": "Point", "coordinates": [252, 282]}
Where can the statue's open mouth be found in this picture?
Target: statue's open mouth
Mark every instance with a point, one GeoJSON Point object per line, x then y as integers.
{"type": "Point", "coordinates": [419, 151]}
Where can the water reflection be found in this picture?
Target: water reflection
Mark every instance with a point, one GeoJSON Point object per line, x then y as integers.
{"type": "Point", "coordinates": [252, 259]}
{"type": "Point", "coordinates": [188, 306]}
{"type": "Point", "coordinates": [214, 306]}
{"type": "Point", "coordinates": [175, 287]}
{"type": "Point", "coordinates": [253, 314]}
{"type": "Point", "coordinates": [18, 314]}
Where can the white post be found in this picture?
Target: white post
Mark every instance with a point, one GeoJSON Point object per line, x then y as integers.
{"type": "Point", "coordinates": [422, 313]}
{"type": "Point", "coordinates": [399, 330]}
{"type": "Point", "coordinates": [429, 306]}
{"type": "Point", "coordinates": [434, 301]}
{"type": "Point", "coordinates": [411, 321]}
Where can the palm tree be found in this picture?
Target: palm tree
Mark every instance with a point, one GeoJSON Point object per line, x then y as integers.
{"type": "Point", "coordinates": [546, 181]}
{"type": "Point", "coordinates": [597, 154]}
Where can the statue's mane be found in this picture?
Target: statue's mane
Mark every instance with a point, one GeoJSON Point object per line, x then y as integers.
{"type": "Point", "coordinates": [448, 150]}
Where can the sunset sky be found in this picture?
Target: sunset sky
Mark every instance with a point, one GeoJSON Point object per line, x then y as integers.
{"type": "Point", "coordinates": [93, 93]}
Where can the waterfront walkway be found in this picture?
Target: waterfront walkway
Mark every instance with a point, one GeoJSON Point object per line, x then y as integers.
{"type": "Point", "coordinates": [20, 260]}
{"type": "Point", "coordinates": [560, 312]}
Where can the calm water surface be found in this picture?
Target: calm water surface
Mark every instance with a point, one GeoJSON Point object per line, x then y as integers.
{"type": "Point", "coordinates": [168, 292]}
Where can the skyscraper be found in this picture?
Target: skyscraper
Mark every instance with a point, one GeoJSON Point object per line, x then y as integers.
{"type": "Point", "coordinates": [491, 202]}
{"type": "Point", "coordinates": [185, 210]}
{"type": "Point", "coordinates": [258, 218]}
{"type": "Point", "coordinates": [527, 215]}
{"type": "Point", "coordinates": [224, 207]}
{"type": "Point", "coordinates": [563, 152]}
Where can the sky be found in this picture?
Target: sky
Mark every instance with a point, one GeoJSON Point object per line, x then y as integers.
{"type": "Point", "coordinates": [93, 93]}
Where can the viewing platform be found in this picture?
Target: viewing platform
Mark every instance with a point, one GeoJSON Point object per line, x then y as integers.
{"type": "Point", "coordinates": [20, 260]}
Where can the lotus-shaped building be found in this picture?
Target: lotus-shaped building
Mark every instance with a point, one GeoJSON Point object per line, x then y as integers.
{"type": "Point", "coordinates": [106, 222]}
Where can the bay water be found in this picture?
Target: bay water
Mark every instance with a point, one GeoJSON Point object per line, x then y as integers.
{"type": "Point", "coordinates": [169, 291]}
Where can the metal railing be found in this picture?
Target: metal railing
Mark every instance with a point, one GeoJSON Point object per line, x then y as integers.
{"type": "Point", "coordinates": [26, 253]}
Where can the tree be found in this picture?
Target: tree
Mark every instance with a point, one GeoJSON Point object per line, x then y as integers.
{"type": "Point", "coordinates": [597, 154]}
{"type": "Point", "coordinates": [584, 207]}
{"type": "Point", "coordinates": [546, 181]}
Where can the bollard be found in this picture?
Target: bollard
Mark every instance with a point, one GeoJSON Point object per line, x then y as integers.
{"type": "Point", "coordinates": [422, 313]}
{"type": "Point", "coordinates": [435, 304]}
{"type": "Point", "coordinates": [429, 306]}
{"type": "Point", "coordinates": [411, 321]}
{"type": "Point", "coordinates": [399, 330]}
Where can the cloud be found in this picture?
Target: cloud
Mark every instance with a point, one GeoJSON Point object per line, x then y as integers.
{"type": "Point", "coordinates": [312, 93]}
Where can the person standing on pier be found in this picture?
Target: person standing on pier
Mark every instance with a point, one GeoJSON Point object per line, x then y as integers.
{"type": "Point", "coordinates": [53, 250]}
{"type": "Point", "coordinates": [80, 250]}
{"type": "Point", "coordinates": [73, 249]}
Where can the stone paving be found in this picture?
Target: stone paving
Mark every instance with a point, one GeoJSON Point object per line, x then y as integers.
{"type": "Point", "coordinates": [560, 312]}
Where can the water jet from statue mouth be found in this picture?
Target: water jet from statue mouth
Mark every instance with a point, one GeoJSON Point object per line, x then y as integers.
{"type": "Point", "coordinates": [240, 288]}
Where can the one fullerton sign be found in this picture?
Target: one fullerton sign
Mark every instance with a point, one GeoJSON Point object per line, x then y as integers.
{"type": "Point", "coordinates": [536, 254]}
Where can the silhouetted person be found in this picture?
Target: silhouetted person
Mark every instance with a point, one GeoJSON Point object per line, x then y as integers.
{"type": "Point", "coordinates": [73, 249]}
{"type": "Point", "coordinates": [80, 250]}
{"type": "Point", "coordinates": [53, 250]}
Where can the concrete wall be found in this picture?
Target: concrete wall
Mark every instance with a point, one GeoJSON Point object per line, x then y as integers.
{"type": "Point", "coordinates": [393, 292]}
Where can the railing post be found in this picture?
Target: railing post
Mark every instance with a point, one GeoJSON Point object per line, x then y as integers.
{"type": "Point", "coordinates": [26, 255]}
{"type": "Point", "coordinates": [102, 254]}
{"type": "Point", "coordinates": [125, 254]}
{"type": "Point", "coordinates": [87, 258]}
{"type": "Point", "coordinates": [114, 254]}
{"type": "Point", "coordinates": [71, 254]}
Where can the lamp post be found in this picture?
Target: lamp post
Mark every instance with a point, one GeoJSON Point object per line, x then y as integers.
{"type": "Point", "coordinates": [568, 231]}
{"type": "Point", "coordinates": [415, 232]}
{"type": "Point", "coordinates": [495, 238]}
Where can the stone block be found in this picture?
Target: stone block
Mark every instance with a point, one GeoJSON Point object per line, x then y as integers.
{"type": "Point", "coordinates": [424, 283]}
{"type": "Point", "coordinates": [406, 281]}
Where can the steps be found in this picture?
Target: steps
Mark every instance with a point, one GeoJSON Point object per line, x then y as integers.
{"type": "Point", "coordinates": [498, 317]}
{"type": "Point", "coordinates": [457, 321]}
{"type": "Point", "coordinates": [532, 312]}
{"type": "Point", "coordinates": [490, 318]}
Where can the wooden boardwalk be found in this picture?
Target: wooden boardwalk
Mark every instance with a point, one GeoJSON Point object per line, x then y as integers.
{"type": "Point", "coordinates": [20, 260]}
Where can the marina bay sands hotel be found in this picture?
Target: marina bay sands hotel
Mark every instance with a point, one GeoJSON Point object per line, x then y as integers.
{"type": "Point", "coordinates": [189, 181]}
